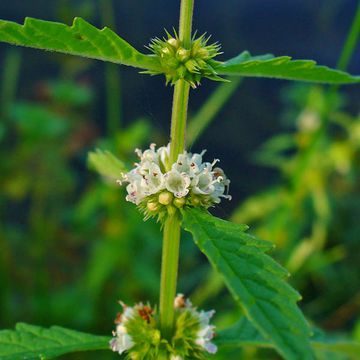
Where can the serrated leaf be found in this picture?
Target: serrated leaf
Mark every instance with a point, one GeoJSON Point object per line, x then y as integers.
{"type": "Point", "coordinates": [255, 280]}
{"type": "Point", "coordinates": [82, 39]}
{"type": "Point", "coordinates": [244, 333]}
{"type": "Point", "coordinates": [283, 67]}
{"type": "Point", "coordinates": [106, 164]}
{"type": "Point", "coordinates": [34, 342]}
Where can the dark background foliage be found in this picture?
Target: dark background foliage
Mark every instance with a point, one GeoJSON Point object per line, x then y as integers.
{"type": "Point", "coordinates": [69, 244]}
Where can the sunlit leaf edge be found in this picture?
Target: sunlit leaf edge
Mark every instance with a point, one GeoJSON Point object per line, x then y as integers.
{"type": "Point", "coordinates": [283, 67]}
{"type": "Point", "coordinates": [81, 39]}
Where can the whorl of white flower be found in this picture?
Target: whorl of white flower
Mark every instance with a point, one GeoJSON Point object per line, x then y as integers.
{"type": "Point", "coordinates": [195, 182]}
{"type": "Point", "coordinates": [206, 331]}
{"type": "Point", "coordinates": [122, 341]}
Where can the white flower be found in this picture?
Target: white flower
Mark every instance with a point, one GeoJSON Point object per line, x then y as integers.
{"type": "Point", "coordinates": [177, 183]}
{"type": "Point", "coordinates": [164, 153]}
{"type": "Point", "coordinates": [148, 155]}
{"type": "Point", "coordinates": [203, 183]}
{"type": "Point", "coordinates": [182, 164]}
{"type": "Point", "coordinates": [188, 176]}
{"type": "Point", "coordinates": [153, 181]}
{"type": "Point", "coordinates": [135, 192]}
{"type": "Point", "coordinates": [122, 341]}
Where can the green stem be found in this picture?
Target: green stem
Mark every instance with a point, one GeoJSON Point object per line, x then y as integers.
{"type": "Point", "coordinates": [178, 119]}
{"type": "Point", "coordinates": [171, 237]}
{"type": "Point", "coordinates": [185, 24]}
{"type": "Point", "coordinates": [169, 266]}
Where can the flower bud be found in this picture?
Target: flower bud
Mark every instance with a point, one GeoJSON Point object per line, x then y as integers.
{"type": "Point", "coordinates": [183, 54]}
{"type": "Point", "coordinates": [203, 53]}
{"type": "Point", "coordinates": [152, 206]}
{"type": "Point", "coordinates": [165, 198]}
{"type": "Point", "coordinates": [195, 201]}
{"type": "Point", "coordinates": [179, 202]}
{"type": "Point", "coordinates": [173, 42]}
{"type": "Point", "coordinates": [165, 52]}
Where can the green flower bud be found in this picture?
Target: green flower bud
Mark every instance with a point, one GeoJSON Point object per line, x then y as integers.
{"type": "Point", "coordinates": [203, 53]}
{"type": "Point", "coordinates": [183, 54]}
{"type": "Point", "coordinates": [195, 200]}
{"type": "Point", "coordinates": [173, 42]}
{"type": "Point", "coordinates": [165, 198]}
{"type": "Point", "coordinates": [152, 206]}
{"type": "Point", "coordinates": [165, 52]}
{"type": "Point", "coordinates": [179, 202]}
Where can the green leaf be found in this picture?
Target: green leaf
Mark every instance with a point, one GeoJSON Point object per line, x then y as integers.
{"type": "Point", "coordinates": [240, 334]}
{"type": "Point", "coordinates": [244, 333]}
{"type": "Point", "coordinates": [106, 164]}
{"type": "Point", "coordinates": [34, 342]}
{"type": "Point", "coordinates": [80, 39]}
{"type": "Point", "coordinates": [255, 280]}
{"type": "Point", "coordinates": [283, 67]}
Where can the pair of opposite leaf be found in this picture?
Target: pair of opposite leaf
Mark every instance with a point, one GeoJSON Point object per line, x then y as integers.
{"type": "Point", "coordinates": [255, 280]}
{"type": "Point", "coordinates": [85, 40]}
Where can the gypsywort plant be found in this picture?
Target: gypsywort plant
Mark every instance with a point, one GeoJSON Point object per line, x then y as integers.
{"type": "Point", "coordinates": [177, 188]}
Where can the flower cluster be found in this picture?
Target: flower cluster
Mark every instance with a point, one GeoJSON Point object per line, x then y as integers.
{"type": "Point", "coordinates": [159, 188]}
{"type": "Point", "coordinates": [205, 332]}
{"type": "Point", "coordinates": [190, 64]}
{"type": "Point", "coordinates": [138, 336]}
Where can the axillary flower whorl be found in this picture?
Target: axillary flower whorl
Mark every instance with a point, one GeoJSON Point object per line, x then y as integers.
{"type": "Point", "coordinates": [190, 64]}
{"type": "Point", "coordinates": [138, 336]}
{"type": "Point", "coordinates": [160, 189]}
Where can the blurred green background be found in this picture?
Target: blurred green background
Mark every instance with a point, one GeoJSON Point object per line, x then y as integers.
{"type": "Point", "coordinates": [70, 246]}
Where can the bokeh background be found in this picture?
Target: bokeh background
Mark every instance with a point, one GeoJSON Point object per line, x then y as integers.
{"type": "Point", "coordinates": [70, 246]}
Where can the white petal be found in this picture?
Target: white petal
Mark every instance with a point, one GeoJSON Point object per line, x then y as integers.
{"type": "Point", "coordinates": [177, 183]}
